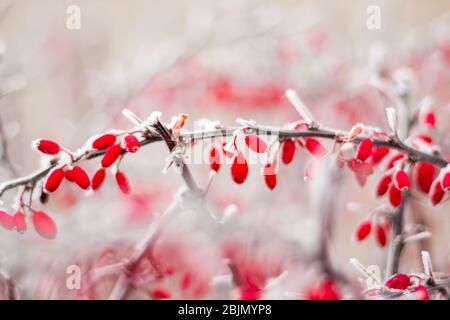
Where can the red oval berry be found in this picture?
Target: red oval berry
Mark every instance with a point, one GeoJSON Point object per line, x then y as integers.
{"type": "Point", "coordinates": [401, 180]}
{"type": "Point", "coordinates": [378, 154]}
{"type": "Point", "coordinates": [160, 293]}
{"type": "Point", "coordinates": [255, 143]}
{"type": "Point", "coordinates": [270, 178]}
{"type": "Point", "coordinates": [380, 235]}
{"type": "Point", "coordinates": [123, 182]}
{"type": "Point", "coordinates": [315, 147]}
{"type": "Point", "coordinates": [79, 176]}
{"type": "Point", "coordinates": [364, 149]}
{"type": "Point", "coordinates": [425, 174]}
{"type": "Point", "coordinates": [239, 169]}
{"type": "Point", "coordinates": [395, 196]}
{"type": "Point", "coordinates": [436, 193]}
{"type": "Point", "coordinates": [445, 181]}
{"type": "Point", "coordinates": [287, 151]}
{"type": "Point", "coordinates": [383, 185]}
{"type": "Point", "coordinates": [47, 146]}
{"type": "Point", "coordinates": [6, 221]}
{"type": "Point", "coordinates": [104, 141]}
{"type": "Point", "coordinates": [54, 180]}
{"type": "Point", "coordinates": [214, 159]}
{"type": "Point", "coordinates": [98, 178]}
{"type": "Point", "coordinates": [363, 230]}
{"type": "Point", "coordinates": [429, 119]}
{"type": "Point", "coordinates": [394, 159]}
{"type": "Point", "coordinates": [44, 225]}
{"type": "Point", "coordinates": [398, 281]}
{"type": "Point", "coordinates": [111, 155]}
{"type": "Point", "coordinates": [131, 143]}
{"type": "Point", "coordinates": [425, 138]}
{"type": "Point", "coordinates": [19, 221]}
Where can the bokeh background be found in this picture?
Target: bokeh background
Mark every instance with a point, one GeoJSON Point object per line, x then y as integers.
{"type": "Point", "coordinates": [182, 56]}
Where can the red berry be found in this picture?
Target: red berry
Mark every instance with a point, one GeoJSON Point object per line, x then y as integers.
{"type": "Point", "coordinates": [401, 180]}
{"type": "Point", "coordinates": [239, 169]}
{"type": "Point", "coordinates": [104, 141]}
{"type": "Point", "coordinates": [79, 176]}
{"type": "Point", "coordinates": [425, 174]}
{"type": "Point", "coordinates": [383, 185]}
{"type": "Point", "coordinates": [380, 235]}
{"type": "Point", "coordinates": [287, 151]}
{"type": "Point", "coordinates": [98, 178]}
{"type": "Point", "coordinates": [47, 146]}
{"type": "Point", "coordinates": [422, 293]}
{"type": "Point", "coordinates": [363, 230]}
{"type": "Point", "coordinates": [270, 177]}
{"type": "Point", "coordinates": [131, 143]}
{"type": "Point", "coordinates": [395, 196]}
{"type": "Point", "coordinates": [364, 149]}
{"type": "Point", "coordinates": [19, 221]}
{"type": "Point", "coordinates": [378, 154]}
{"type": "Point", "coordinates": [436, 193]}
{"type": "Point", "coordinates": [398, 281]}
{"type": "Point", "coordinates": [425, 138]}
{"type": "Point", "coordinates": [429, 119]}
{"type": "Point", "coordinates": [160, 293]}
{"type": "Point", "coordinates": [394, 159]}
{"type": "Point", "coordinates": [44, 225]}
{"type": "Point", "coordinates": [6, 221]}
{"type": "Point", "coordinates": [255, 143]}
{"type": "Point", "coordinates": [122, 182]}
{"type": "Point", "coordinates": [214, 159]}
{"type": "Point", "coordinates": [54, 180]}
{"type": "Point", "coordinates": [445, 182]}
{"type": "Point", "coordinates": [315, 147]}
{"type": "Point", "coordinates": [112, 154]}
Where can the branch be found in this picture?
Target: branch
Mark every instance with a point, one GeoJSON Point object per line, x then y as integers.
{"type": "Point", "coordinates": [283, 134]}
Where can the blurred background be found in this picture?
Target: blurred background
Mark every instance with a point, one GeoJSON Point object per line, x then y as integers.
{"type": "Point", "coordinates": [187, 56]}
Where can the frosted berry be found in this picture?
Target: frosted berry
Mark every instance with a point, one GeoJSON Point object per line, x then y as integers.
{"type": "Point", "coordinates": [398, 281]}
{"type": "Point", "coordinates": [436, 193]}
{"type": "Point", "coordinates": [425, 174]}
{"type": "Point", "coordinates": [380, 235]}
{"type": "Point", "coordinates": [78, 176]}
{"type": "Point", "coordinates": [131, 143]}
{"type": "Point", "coordinates": [401, 180]}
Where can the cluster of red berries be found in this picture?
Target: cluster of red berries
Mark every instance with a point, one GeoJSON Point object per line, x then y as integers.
{"type": "Point", "coordinates": [43, 223]}
{"type": "Point", "coordinates": [78, 175]}
{"type": "Point", "coordinates": [379, 225]}
{"type": "Point", "coordinates": [239, 168]}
